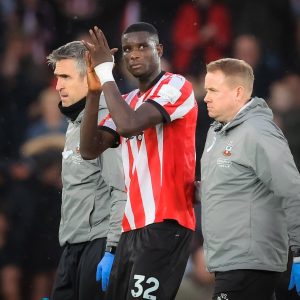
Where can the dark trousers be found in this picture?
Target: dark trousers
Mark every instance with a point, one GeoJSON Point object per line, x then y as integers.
{"type": "Point", "coordinates": [245, 284]}
{"type": "Point", "coordinates": [150, 262]}
{"type": "Point", "coordinates": [76, 273]}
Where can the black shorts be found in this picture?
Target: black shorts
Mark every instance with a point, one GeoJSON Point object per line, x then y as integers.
{"type": "Point", "coordinates": [150, 262]}
{"type": "Point", "coordinates": [76, 273]}
{"type": "Point", "coordinates": [245, 284]}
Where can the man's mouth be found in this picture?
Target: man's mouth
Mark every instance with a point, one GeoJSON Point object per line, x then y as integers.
{"type": "Point", "coordinates": [135, 66]}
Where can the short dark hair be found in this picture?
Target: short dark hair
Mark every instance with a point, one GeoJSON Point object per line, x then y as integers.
{"type": "Point", "coordinates": [142, 26]}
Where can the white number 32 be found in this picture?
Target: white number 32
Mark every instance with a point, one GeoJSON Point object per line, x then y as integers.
{"type": "Point", "coordinates": [138, 290]}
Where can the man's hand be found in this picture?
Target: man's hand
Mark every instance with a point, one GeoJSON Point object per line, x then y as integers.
{"type": "Point", "coordinates": [99, 49]}
{"type": "Point", "coordinates": [295, 277]}
{"type": "Point", "coordinates": [104, 268]}
{"type": "Point", "coordinates": [92, 79]}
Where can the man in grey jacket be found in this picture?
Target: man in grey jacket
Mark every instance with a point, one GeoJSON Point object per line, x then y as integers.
{"type": "Point", "coordinates": [250, 189]}
{"type": "Point", "coordinates": [93, 196]}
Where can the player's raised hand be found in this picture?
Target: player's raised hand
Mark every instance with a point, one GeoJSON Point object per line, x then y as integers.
{"type": "Point", "coordinates": [99, 49]}
{"type": "Point", "coordinates": [92, 79]}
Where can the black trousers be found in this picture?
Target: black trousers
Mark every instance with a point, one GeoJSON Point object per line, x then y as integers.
{"type": "Point", "coordinates": [76, 273]}
{"type": "Point", "coordinates": [245, 285]}
{"type": "Point", "coordinates": [150, 262]}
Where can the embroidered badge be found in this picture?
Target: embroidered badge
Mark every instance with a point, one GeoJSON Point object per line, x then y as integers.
{"type": "Point", "coordinates": [228, 148]}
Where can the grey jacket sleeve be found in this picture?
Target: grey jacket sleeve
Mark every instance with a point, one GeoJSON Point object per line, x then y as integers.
{"type": "Point", "coordinates": [275, 166]}
{"type": "Point", "coordinates": [112, 172]}
{"type": "Point", "coordinates": [113, 175]}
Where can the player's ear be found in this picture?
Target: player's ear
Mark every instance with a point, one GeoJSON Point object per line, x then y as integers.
{"type": "Point", "coordinates": [160, 50]}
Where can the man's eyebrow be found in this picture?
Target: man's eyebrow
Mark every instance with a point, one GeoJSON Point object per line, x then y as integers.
{"type": "Point", "coordinates": [60, 74]}
{"type": "Point", "coordinates": [210, 89]}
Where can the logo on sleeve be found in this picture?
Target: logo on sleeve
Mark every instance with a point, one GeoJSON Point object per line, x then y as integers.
{"type": "Point", "coordinates": [169, 93]}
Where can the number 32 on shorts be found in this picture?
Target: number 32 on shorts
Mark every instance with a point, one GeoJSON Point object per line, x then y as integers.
{"type": "Point", "coordinates": [139, 290]}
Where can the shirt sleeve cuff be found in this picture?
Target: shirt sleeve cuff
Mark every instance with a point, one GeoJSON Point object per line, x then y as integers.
{"type": "Point", "coordinates": [164, 113]}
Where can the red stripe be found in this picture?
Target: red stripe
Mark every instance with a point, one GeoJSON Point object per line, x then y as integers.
{"type": "Point", "coordinates": [133, 101]}
{"type": "Point", "coordinates": [134, 191]}
{"type": "Point", "coordinates": [154, 164]}
{"type": "Point", "coordinates": [125, 224]}
{"type": "Point", "coordinates": [130, 158]}
{"type": "Point", "coordinates": [136, 202]}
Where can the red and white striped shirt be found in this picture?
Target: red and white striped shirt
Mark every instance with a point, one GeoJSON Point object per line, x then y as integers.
{"type": "Point", "coordinates": [159, 164]}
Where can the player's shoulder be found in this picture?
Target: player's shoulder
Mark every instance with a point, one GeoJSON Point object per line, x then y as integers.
{"type": "Point", "coordinates": [174, 76]}
{"type": "Point", "coordinates": [176, 80]}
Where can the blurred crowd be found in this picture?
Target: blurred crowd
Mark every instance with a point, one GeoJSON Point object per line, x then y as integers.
{"type": "Point", "coordinates": [264, 33]}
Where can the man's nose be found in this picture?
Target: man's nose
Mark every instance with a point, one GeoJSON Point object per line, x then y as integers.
{"type": "Point", "coordinates": [206, 98]}
{"type": "Point", "coordinates": [134, 54]}
{"type": "Point", "coordinates": [58, 85]}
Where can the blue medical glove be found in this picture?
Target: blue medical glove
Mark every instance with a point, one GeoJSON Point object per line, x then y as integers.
{"type": "Point", "coordinates": [295, 277]}
{"type": "Point", "coordinates": [104, 268]}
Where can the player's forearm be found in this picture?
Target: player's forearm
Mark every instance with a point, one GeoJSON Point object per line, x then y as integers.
{"type": "Point", "coordinates": [124, 116]}
{"type": "Point", "coordinates": [90, 139]}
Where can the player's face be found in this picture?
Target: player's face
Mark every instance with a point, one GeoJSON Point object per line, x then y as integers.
{"type": "Point", "coordinates": [220, 97]}
{"type": "Point", "coordinates": [141, 53]}
{"type": "Point", "coordinates": [70, 85]}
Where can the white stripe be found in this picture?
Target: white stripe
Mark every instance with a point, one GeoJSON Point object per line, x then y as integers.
{"type": "Point", "coordinates": [145, 184]}
{"type": "Point", "coordinates": [184, 108]}
{"type": "Point", "coordinates": [160, 139]}
{"type": "Point", "coordinates": [110, 123]}
{"type": "Point", "coordinates": [144, 179]}
{"type": "Point", "coordinates": [131, 96]}
{"type": "Point", "coordinates": [129, 213]}
{"type": "Point", "coordinates": [128, 208]}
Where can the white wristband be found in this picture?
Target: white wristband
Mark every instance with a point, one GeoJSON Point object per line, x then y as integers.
{"type": "Point", "coordinates": [104, 72]}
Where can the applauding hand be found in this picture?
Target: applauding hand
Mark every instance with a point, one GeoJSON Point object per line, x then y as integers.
{"type": "Point", "coordinates": [99, 49]}
{"type": "Point", "coordinates": [92, 79]}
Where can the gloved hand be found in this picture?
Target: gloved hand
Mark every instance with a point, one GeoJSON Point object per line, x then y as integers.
{"type": "Point", "coordinates": [104, 268]}
{"type": "Point", "coordinates": [295, 277]}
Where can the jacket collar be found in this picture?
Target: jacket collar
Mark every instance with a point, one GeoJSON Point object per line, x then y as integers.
{"type": "Point", "coordinates": [72, 112]}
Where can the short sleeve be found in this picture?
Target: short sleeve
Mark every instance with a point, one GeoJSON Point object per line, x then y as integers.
{"type": "Point", "coordinates": [109, 125]}
{"type": "Point", "coordinates": [174, 97]}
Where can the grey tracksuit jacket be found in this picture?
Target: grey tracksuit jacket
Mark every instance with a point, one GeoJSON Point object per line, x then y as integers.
{"type": "Point", "coordinates": [93, 195]}
{"type": "Point", "coordinates": [250, 193]}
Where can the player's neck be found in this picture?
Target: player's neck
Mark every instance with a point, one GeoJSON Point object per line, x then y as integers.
{"type": "Point", "coordinates": [146, 83]}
